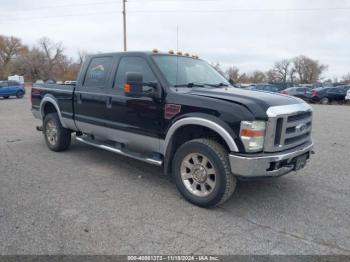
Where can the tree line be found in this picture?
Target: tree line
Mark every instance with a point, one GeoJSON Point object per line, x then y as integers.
{"type": "Point", "coordinates": [47, 60]}
{"type": "Point", "coordinates": [297, 70]}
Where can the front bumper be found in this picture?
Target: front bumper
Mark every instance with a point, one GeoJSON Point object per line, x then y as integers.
{"type": "Point", "coordinates": [267, 164]}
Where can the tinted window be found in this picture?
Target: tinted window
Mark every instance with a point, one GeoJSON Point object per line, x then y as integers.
{"type": "Point", "coordinates": [301, 89]}
{"type": "Point", "coordinates": [98, 71]}
{"type": "Point", "coordinates": [135, 65]}
{"type": "Point", "coordinates": [13, 83]}
{"type": "Point", "coordinates": [272, 89]}
{"type": "Point", "coordinates": [335, 90]}
{"type": "Point", "coordinates": [3, 84]}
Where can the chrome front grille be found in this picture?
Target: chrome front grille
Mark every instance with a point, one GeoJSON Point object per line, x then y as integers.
{"type": "Point", "coordinates": [287, 127]}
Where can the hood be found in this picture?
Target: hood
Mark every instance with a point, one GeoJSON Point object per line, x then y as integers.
{"type": "Point", "coordinates": [255, 101]}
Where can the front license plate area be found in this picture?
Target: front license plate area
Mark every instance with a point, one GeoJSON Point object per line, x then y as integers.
{"type": "Point", "coordinates": [300, 162]}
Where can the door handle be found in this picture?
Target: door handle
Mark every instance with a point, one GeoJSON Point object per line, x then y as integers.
{"type": "Point", "coordinates": [109, 102]}
{"type": "Point", "coordinates": [79, 100]}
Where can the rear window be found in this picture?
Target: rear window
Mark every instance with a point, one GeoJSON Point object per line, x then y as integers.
{"type": "Point", "coordinates": [98, 72]}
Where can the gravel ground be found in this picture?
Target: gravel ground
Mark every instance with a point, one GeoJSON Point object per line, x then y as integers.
{"type": "Point", "coordinates": [89, 201]}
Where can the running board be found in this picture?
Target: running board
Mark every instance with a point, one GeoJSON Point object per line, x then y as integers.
{"type": "Point", "coordinates": [149, 160]}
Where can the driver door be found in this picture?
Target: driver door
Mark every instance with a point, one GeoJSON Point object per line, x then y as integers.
{"type": "Point", "coordinates": [136, 120]}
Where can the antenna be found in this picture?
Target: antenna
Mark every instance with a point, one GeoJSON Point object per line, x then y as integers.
{"type": "Point", "coordinates": [177, 51]}
{"type": "Point", "coordinates": [124, 24]}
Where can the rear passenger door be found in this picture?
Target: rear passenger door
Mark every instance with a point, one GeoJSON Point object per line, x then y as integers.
{"type": "Point", "coordinates": [91, 95]}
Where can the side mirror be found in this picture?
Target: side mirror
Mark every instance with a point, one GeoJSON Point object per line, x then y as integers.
{"type": "Point", "coordinates": [135, 87]}
{"type": "Point", "coordinates": [134, 84]}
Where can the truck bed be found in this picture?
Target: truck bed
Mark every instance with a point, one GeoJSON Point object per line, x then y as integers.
{"type": "Point", "coordinates": [62, 94]}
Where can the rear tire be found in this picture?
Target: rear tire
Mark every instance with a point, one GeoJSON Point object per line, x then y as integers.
{"type": "Point", "coordinates": [6, 97]}
{"type": "Point", "coordinates": [19, 94]}
{"type": "Point", "coordinates": [202, 172]}
{"type": "Point", "coordinates": [56, 136]}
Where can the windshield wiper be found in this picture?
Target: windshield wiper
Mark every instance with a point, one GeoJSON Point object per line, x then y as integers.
{"type": "Point", "coordinates": [193, 84]}
{"type": "Point", "coordinates": [189, 85]}
{"type": "Point", "coordinates": [217, 85]}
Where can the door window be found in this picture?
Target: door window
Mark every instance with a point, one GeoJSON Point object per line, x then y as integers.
{"type": "Point", "coordinates": [3, 84]}
{"type": "Point", "coordinates": [13, 83]}
{"type": "Point", "coordinates": [98, 72]}
{"type": "Point", "coordinates": [135, 65]}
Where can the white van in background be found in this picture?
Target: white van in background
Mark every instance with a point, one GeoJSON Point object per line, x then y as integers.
{"type": "Point", "coordinates": [17, 78]}
{"type": "Point", "coordinates": [347, 97]}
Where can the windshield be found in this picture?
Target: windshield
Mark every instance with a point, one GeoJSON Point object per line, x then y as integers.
{"type": "Point", "coordinates": [185, 71]}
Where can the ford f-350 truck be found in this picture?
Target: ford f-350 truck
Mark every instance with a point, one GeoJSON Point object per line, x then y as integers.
{"type": "Point", "coordinates": [178, 112]}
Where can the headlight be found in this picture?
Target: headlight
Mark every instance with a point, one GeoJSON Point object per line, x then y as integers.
{"type": "Point", "coordinates": [252, 134]}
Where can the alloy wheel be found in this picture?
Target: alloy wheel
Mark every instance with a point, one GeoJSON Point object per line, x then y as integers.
{"type": "Point", "coordinates": [198, 174]}
{"type": "Point", "coordinates": [51, 132]}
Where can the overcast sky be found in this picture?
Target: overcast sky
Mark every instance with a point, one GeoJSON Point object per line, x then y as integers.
{"type": "Point", "coordinates": [251, 34]}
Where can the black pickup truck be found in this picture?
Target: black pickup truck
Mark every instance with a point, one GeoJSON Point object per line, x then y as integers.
{"type": "Point", "coordinates": [176, 111]}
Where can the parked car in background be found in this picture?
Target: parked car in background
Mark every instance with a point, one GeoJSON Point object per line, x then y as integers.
{"type": "Point", "coordinates": [11, 88]}
{"type": "Point", "coordinates": [50, 81]}
{"type": "Point", "coordinates": [327, 95]}
{"type": "Point", "coordinates": [264, 87]}
{"type": "Point", "coordinates": [301, 92]}
{"type": "Point", "coordinates": [347, 97]}
{"type": "Point", "coordinates": [72, 83]}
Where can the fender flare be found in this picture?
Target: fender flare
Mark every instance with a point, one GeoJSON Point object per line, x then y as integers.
{"type": "Point", "coordinates": [50, 99]}
{"type": "Point", "coordinates": [200, 121]}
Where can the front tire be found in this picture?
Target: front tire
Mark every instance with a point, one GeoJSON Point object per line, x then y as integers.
{"type": "Point", "coordinates": [56, 136]}
{"type": "Point", "coordinates": [6, 97]}
{"type": "Point", "coordinates": [202, 173]}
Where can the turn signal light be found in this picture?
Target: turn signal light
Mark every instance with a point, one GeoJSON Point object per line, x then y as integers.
{"type": "Point", "coordinates": [252, 133]}
{"type": "Point", "coordinates": [127, 88]}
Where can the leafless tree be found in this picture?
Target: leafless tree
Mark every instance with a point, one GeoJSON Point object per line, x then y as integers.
{"type": "Point", "coordinates": [346, 78]}
{"type": "Point", "coordinates": [31, 64]}
{"type": "Point", "coordinates": [218, 68]}
{"type": "Point", "coordinates": [271, 76]}
{"type": "Point", "coordinates": [308, 70]}
{"type": "Point", "coordinates": [281, 71]}
{"type": "Point", "coordinates": [82, 56]}
{"type": "Point", "coordinates": [232, 74]}
{"type": "Point", "coordinates": [258, 77]}
{"type": "Point", "coordinates": [10, 47]}
{"type": "Point", "coordinates": [54, 58]}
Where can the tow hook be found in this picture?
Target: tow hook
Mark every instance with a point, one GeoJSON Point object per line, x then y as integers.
{"type": "Point", "coordinates": [313, 152]}
{"type": "Point", "coordinates": [39, 128]}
